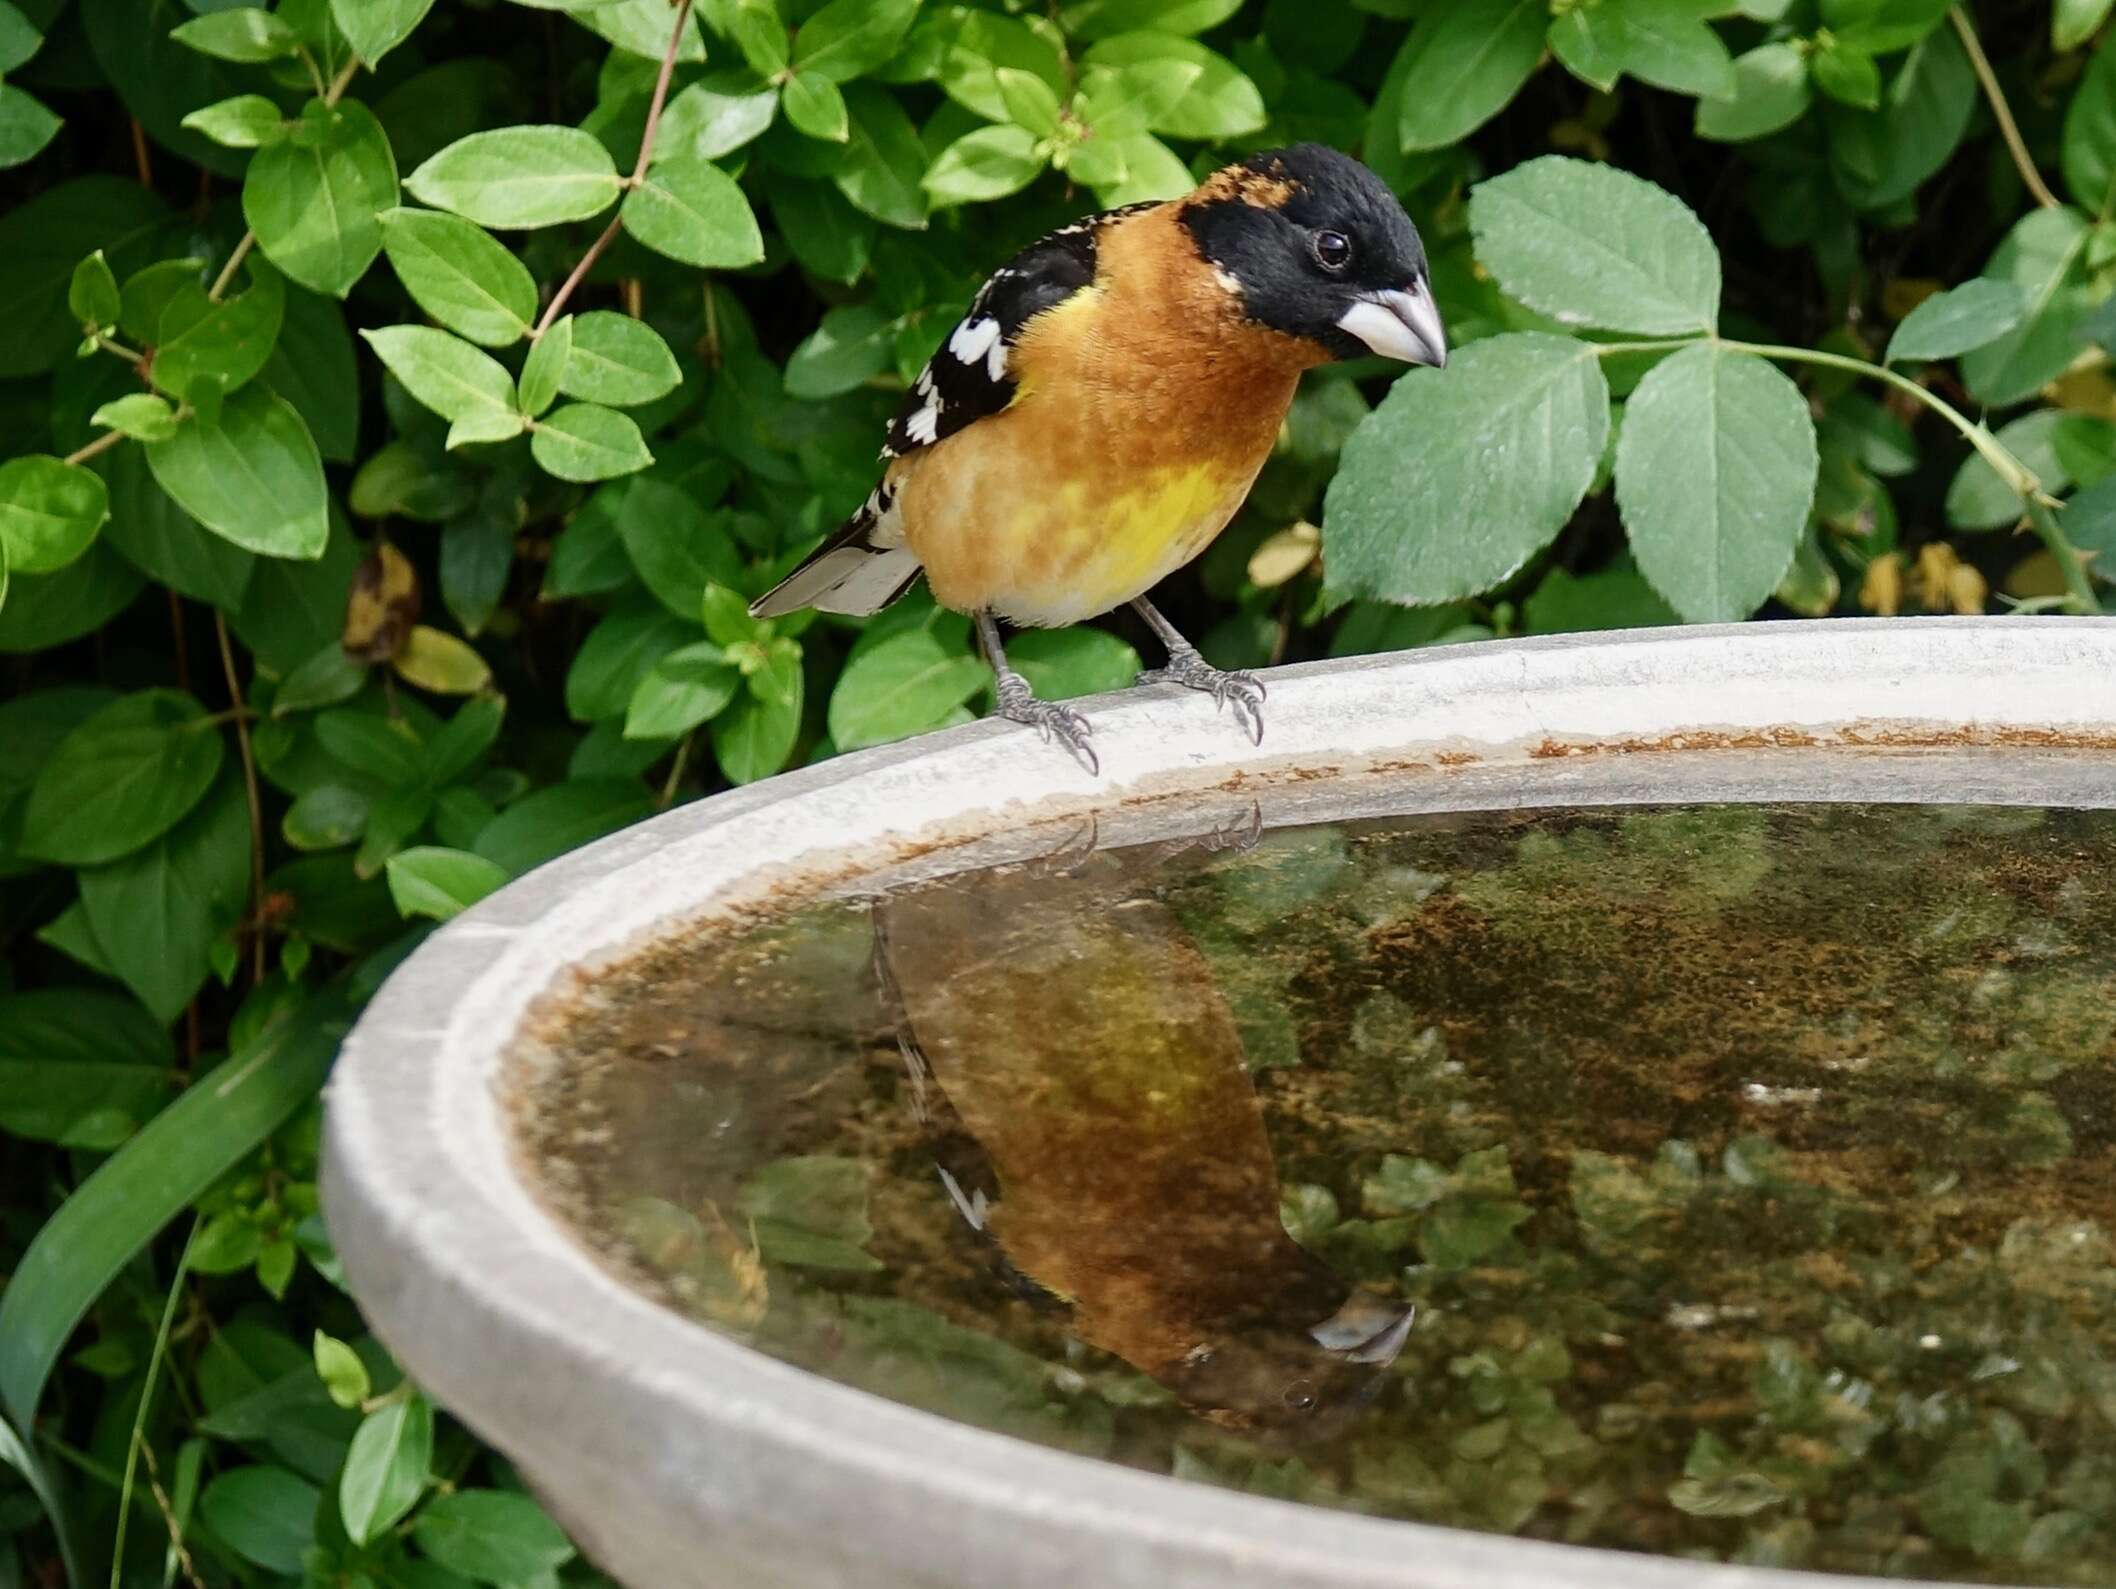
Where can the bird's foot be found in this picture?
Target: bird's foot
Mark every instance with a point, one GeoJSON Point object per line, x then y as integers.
{"type": "Point", "coordinates": [1051, 719]}
{"type": "Point", "coordinates": [1242, 691]}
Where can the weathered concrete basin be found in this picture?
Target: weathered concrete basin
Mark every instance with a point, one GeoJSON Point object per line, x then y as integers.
{"type": "Point", "coordinates": [679, 1458]}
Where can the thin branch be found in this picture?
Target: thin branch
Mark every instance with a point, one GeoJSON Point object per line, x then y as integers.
{"type": "Point", "coordinates": [342, 81]}
{"type": "Point", "coordinates": [227, 271]}
{"type": "Point", "coordinates": [2007, 127]}
{"type": "Point", "coordinates": [249, 778]}
{"type": "Point", "coordinates": [101, 445]}
{"type": "Point", "coordinates": [139, 1417]}
{"type": "Point", "coordinates": [140, 157]}
{"type": "Point", "coordinates": [2078, 582]}
{"type": "Point", "coordinates": [668, 789]}
{"type": "Point", "coordinates": [639, 172]}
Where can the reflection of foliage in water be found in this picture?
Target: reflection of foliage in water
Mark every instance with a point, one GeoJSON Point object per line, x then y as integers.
{"type": "Point", "coordinates": [1750, 1170]}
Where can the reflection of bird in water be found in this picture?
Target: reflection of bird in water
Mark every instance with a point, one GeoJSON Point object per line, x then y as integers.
{"type": "Point", "coordinates": [1082, 1040]}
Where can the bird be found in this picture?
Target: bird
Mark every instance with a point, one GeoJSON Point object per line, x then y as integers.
{"type": "Point", "coordinates": [1099, 413]}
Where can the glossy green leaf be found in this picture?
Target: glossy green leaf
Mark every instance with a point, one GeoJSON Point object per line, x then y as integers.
{"type": "Point", "coordinates": [492, 1536]}
{"type": "Point", "coordinates": [461, 275]}
{"type": "Point", "coordinates": [246, 121]}
{"type": "Point", "coordinates": [440, 883]}
{"type": "Point", "coordinates": [375, 27]}
{"type": "Point", "coordinates": [2073, 22]}
{"type": "Point", "coordinates": [1771, 92]}
{"type": "Point", "coordinates": [41, 243]}
{"type": "Point", "coordinates": [92, 292]}
{"type": "Point", "coordinates": [122, 779]}
{"type": "Point", "coordinates": [50, 511]}
{"type": "Point", "coordinates": [1462, 63]}
{"type": "Point", "coordinates": [1878, 26]}
{"type": "Point", "coordinates": [693, 211]}
{"type": "Point", "coordinates": [315, 199]}
{"type": "Point", "coordinates": [881, 167]}
{"type": "Point", "coordinates": [520, 177]}
{"type": "Point", "coordinates": [387, 1468]}
{"type": "Point", "coordinates": [753, 738]}
{"type": "Point", "coordinates": [264, 1514]}
{"type": "Point", "coordinates": [470, 389]}
{"type": "Point", "coordinates": [2044, 256]}
{"type": "Point", "coordinates": [716, 115]}
{"type": "Point", "coordinates": [224, 343]}
{"type": "Point", "coordinates": [546, 824]}
{"type": "Point", "coordinates": [905, 685]}
{"type": "Point", "coordinates": [244, 34]}
{"type": "Point", "coordinates": [1715, 473]}
{"type": "Point", "coordinates": [586, 442]}
{"type": "Point", "coordinates": [1848, 76]}
{"type": "Point", "coordinates": [816, 107]}
{"type": "Point", "coordinates": [541, 371]}
{"type": "Point", "coordinates": [1951, 323]}
{"type": "Point", "coordinates": [987, 164]}
{"type": "Point", "coordinates": [685, 688]}
{"type": "Point", "coordinates": [255, 478]}
{"type": "Point", "coordinates": [1220, 102]}
{"type": "Point", "coordinates": [850, 38]}
{"type": "Point", "coordinates": [618, 360]}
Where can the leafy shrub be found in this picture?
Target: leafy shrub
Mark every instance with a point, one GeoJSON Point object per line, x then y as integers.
{"type": "Point", "coordinates": [401, 400]}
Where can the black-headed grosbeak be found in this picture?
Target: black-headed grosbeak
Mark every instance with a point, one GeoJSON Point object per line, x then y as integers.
{"type": "Point", "coordinates": [1099, 414]}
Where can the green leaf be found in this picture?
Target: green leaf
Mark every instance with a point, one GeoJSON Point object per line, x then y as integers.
{"type": "Point", "coordinates": [850, 38]}
{"type": "Point", "coordinates": [1098, 19]}
{"type": "Point", "coordinates": [1032, 103]}
{"type": "Point", "coordinates": [264, 1514]}
{"type": "Point", "coordinates": [158, 911]}
{"type": "Point", "coordinates": [816, 107]}
{"type": "Point", "coordinates": [148, 292]}
{"type": "Point", "coordinates": [1065, 663]}
{"type": "Point", "coordinates": [678, 548]}
{"type": "Point", "coordinates": [2089, 149]}
{"type": "Point", "coordinates": [1879, 26]}
{"type": "Point", "coordinates": [905, 685]}
{"type": "Point", "coordinates": [2073, 22]}
{"type": "Point", "coordinates": [551, 821]}
{"type": "Point", "coordinates": [470, 389]}
{"type": "Point", "coordinates": [79, 1068]}
{"type": "Point", "coordinates": [246, 34]}
{"type": "Point", "coordinates": [1978, 498]}
{"type": "Point", "coordinates": [1219, 102]}
{"type": "Point", "coordinates": [716, 116]}
{"type": "Point", "coordinates": [1462, 474]}
{"type": "Point", "coordinates": [428, 881]}
{"type": "Point", "coordinates": [1950, 323]}
{"type": "Point", "coordinates": [520, 177]}
{"type": "Point", "coordinates": [1715, 473]}
{"type": "Point", "coordinates": [375, 27]}
{"type": "Point", "coordinates": [50, 511]}
{"type": "Point", "coordinates": [1771, 92]}
{"type": "Point", "coordinates": [387, 1468]}
{"type": "Point", "coordinates": [1878, 160]}
{"type": "Point", "coordinates": [19, 41]}
{"type": "Point", "coordinates": [760, 35]}
{"type": "Point", "coordinates": [619, 360]}
{"type": "Point", "coordinates": [1461, 65]}
{"type": "Point", "coordinates": [26, 126]}
{"type": "Point", "coordinates": [122, 779]}
{"type": "Point", "coordinates": [546, 364]}
{"type": "Point", "coordinates": [255, 478]}
{"type": "Point", "coordinates": [224, 344]}
{"type": "Point", "coordinates": [315, 199]}
{"type": "Point", "coordinates": [325, 817]}
{"type": "Point", "coordinates": [685, 688]}
{"type": "Point", "coordinates": [461, 275]}
{"type": "Point", "coordinates": [435, 660]}
{"type": "Point", "coordinates": [120, 1207]}
{"type": "Point", "coordinates": [493, 1536]}
{"type": "Point", "coordinates": [162, 540]}
{"type": "Point", "coordinates": [1848, 76]}
{"type": "Point", "coordinates": [344, 1376]}
{"type": "Point", "coordinates": [585, 442]}
{"type": "Point", "coordinates": [989, 163]}
{"type": "Point", "coordinates": [141, 416]}
{"type": "Point", "coordinates": [92, 292]}
{"type": "Point", "coordinates": [1662, 42]}
{"type": "Point", "coordinates": [313, 368]}
{"type": "Point", "coordinates": [755, 735]}
{"type": "Point", "coordinates": [619, 652]}
{"type": "Point", "coordinates": [883, 160]}
{"type": "Point", "coordinates": [853, 344]}
{"type": "Point", "coordinates": [693, 211]}
{"type": "Point", "coordinates": [1616, 597]}
{"type": "Point", "coordinates": [2044, 255]}
{"type": "Point", "coordinates": [1594, 246]}
{"type": "Point", "coordinates": [41, 243]}
{"type": "Point", "coordinates": [247, 121]}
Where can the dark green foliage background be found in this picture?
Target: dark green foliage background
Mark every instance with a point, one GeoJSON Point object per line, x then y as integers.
{"type": "Point", "coordinates": [270, 286]}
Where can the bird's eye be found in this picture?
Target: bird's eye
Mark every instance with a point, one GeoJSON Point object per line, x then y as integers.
{"type": "Point", "coordinates": [1333, 250]}
{"type": "Point", "coordinates": [1300, 1395]}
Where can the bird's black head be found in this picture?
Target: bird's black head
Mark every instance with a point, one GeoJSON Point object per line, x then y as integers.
{"type": "Point", "coordinates": [1316, 246]}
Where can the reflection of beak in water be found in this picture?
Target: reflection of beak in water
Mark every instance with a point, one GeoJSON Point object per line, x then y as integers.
{"type": "Point", "coordinates": [1084, 1043]}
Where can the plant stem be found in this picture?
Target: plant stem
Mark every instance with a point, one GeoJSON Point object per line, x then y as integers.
{"type": "Point", "coordinates": [102, 444]}
{"type": "Point", "coordinates": [668, 789]}
{"type": "Point", "coordinates": [139, 1417]}
{"type": "Point", "coordinates": [639, 172]}
{"type": "Point", "coordinates": [227, 271]}
{"type": "Point", "coordinates": [2078, 581]}
{"type": "Point", "coordinates": [249, 778]}
{"type": "Point", "coordinates": [2007, 127]}
{"type": "Point", "coordinates": [342, 81]}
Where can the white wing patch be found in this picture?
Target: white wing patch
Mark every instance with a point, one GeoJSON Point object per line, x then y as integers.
{"type": "Point", "coordinates": [971, 340]}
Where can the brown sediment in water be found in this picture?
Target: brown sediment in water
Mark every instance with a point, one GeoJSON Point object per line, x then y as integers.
{"type": "Point", "coordinates": [1751, 1169]}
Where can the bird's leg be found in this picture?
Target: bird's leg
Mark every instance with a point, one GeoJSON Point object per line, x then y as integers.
{"type": "Point", "coordinates": [1018, 703]}
{"type": "Point", "coordinates": [1243, 691]}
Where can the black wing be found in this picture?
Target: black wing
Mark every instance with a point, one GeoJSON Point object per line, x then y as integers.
{"type": "Point", "coordinates": [969, 377]}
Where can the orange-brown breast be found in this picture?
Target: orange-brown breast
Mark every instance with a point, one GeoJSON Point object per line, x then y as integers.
{"type": "Point", "coordinates": [1146, 406]}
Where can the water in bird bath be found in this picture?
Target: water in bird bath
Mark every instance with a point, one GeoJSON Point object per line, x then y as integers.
{"type": "Point", "coordinates": [1729, 1181]}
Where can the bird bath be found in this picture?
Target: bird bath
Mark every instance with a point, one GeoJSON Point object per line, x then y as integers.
{"type": "Point", "coordinates": [1652, 1091]}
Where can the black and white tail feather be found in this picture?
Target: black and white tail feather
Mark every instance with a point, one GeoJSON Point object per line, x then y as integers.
{"type": "Point", "coordinates": [866, 565]}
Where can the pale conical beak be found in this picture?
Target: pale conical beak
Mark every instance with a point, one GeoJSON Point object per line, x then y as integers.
{"type": "Point", "coordinates": [1400, 323]}
{"type": "Point", "coordinates": [1367, 1329]}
